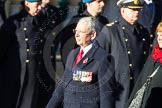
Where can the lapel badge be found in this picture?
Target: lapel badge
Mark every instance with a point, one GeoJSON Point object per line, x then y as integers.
{"type": "Point", "coordinates": [85, 61]}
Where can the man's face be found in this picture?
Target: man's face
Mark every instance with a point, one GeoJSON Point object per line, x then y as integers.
{"type": "Point", "coordinates": [130, 15]}
{"type": "Point", "coordinates": [82, 35]}
{"type": "Point", "coordinates": [96, 6]}
{"type": "Point", "coordinates": [159, 39]}
{"type": "Point", "coordinates": [33, 7]}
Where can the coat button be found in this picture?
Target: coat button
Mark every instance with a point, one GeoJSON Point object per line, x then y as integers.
{"type": "Point", "coordinates": [53, 33]}
{"type": "Point", "coordinates": [131, 78]}
{"type": "Point", "coordinates": [126, 40]}
{"type": "Point", "coordinates": [53, 22]}
{"type": "Point", "coordinates": [26, 39]}
{"type": "Point", "coordinates": [40, 29]}
{"type": "Point", "coordinates": [123, 28]}
{"type": "Point", "coordinates": [25, 29]}
{"type": "Point", "coordinates": [144, 39]}
{"type": "Point", "coordinates": [151, 45]}
{"type": "Point", "coordinates": [27, 61]}
{"type": "Point", "coordinates": [27, 50]}
{"type": "Point", "coordinates": [144, 52]}
{"type": "Point", "coordinates": [129, 52]}
{"type": "Point", "coordinates": [130, 65]}
{"type": "Point", "coordinates": [151, 36]}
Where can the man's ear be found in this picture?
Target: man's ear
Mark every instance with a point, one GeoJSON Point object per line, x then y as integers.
{"type": "Point", "coordinates": [87, 4]}
{"type": "Point", "coordinates": [26, 4]}
{"type": "Point", "coordinates": [93, 35]}
{"type": "Point", "coordinates": [122, 10]}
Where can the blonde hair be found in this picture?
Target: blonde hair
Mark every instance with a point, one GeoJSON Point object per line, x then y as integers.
{"type": "Point", "coordinates": [159, 27]}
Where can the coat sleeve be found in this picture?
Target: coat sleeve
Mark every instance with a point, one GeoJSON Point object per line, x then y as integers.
{"type": "Point", "coordinates": [106, 84]}
{"type": "Point", "coordinates": [57, 98]}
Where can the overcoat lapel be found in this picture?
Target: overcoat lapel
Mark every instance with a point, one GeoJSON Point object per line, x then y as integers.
{"type": "Point", "coordinates": [88, 57]}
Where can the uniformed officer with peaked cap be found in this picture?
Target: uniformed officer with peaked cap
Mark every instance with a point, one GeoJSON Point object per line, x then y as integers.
{"type": "Point", "coordinates": [128, 42]}
{"type": "Point", "coordinates": [26, 83]}
{"type": "Point", "coordinates": [133, 4]}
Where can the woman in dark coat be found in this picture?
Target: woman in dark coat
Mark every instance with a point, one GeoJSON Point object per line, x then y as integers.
{"type": "Point", "coordinates": [153, 91]}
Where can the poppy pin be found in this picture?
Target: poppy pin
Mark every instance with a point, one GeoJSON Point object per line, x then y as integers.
{"type": "Point", "coordinates": [85, 61]}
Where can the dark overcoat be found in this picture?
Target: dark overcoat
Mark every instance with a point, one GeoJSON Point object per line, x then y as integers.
{"type": "Point", "coordinates": [93, 94]}
{"type": "Point", "coordinates": [150, 19]}
{"type": "Point", "coordinates": [129, 50]}
{"type": "Point", "coordinates": [154, 90]}
{"type": "Point", "coordinates": [26, 83]}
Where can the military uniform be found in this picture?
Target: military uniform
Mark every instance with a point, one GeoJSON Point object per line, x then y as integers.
{"type": "Point", "coordinates": [67, 37]}
{"type": "Point", "coordinates": [27, 84]}
{"type": "Point", "coordinates": [150, 18]}
{"type": "Point", "coordinates": [52, 17]}
{"type": "Point", "coordinates": [129, 46]}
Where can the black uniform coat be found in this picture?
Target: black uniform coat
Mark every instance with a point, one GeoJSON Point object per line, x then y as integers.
{"type": "Point", "coordinates": [26, 84]}
{"type": "Point", "coordinates": [150, 19]}
{"type": "Point", "coordinates": [129, 48]}
{"type": "Point", "coordinates": [94, 94]}
{"type": "Point", "coordinates": [154, 90]}
{"type": "Point", "coordinates": [67, 37]}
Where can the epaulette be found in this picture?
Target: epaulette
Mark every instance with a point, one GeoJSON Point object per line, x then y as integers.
{"type": "Point", "coordinates": [112, 23]}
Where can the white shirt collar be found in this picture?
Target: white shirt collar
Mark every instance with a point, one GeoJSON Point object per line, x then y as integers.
{"type": "Point", "coordinates": [148, 1]}
{"type": "Point", "coordinates": [86, 49]}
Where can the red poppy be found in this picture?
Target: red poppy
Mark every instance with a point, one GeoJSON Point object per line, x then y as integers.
{"type": "Point", "coordinates": [157, 54]}
{"type": "Point", "coordinates": [85, 60]}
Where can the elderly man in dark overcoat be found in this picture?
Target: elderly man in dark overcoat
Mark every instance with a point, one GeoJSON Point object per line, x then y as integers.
{"type": "Point", "coordinates": [94, 8]}
{"type": "Point", "coordinates": [88, 80]}
{"type": "Point", "coordinates": [128, 42]}
{"type": "Point", "coordinates": [26, 83]}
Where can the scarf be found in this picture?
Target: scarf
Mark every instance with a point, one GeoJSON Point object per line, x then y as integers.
{"type": "Point", "coordinates": [157, 54]}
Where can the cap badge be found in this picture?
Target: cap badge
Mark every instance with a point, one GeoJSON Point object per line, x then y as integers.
{"type": "Point", "coordinates": [136, 2]}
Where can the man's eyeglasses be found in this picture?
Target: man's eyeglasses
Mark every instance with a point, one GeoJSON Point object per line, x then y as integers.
{"type": "Point", "coordinates": [77, 31]}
